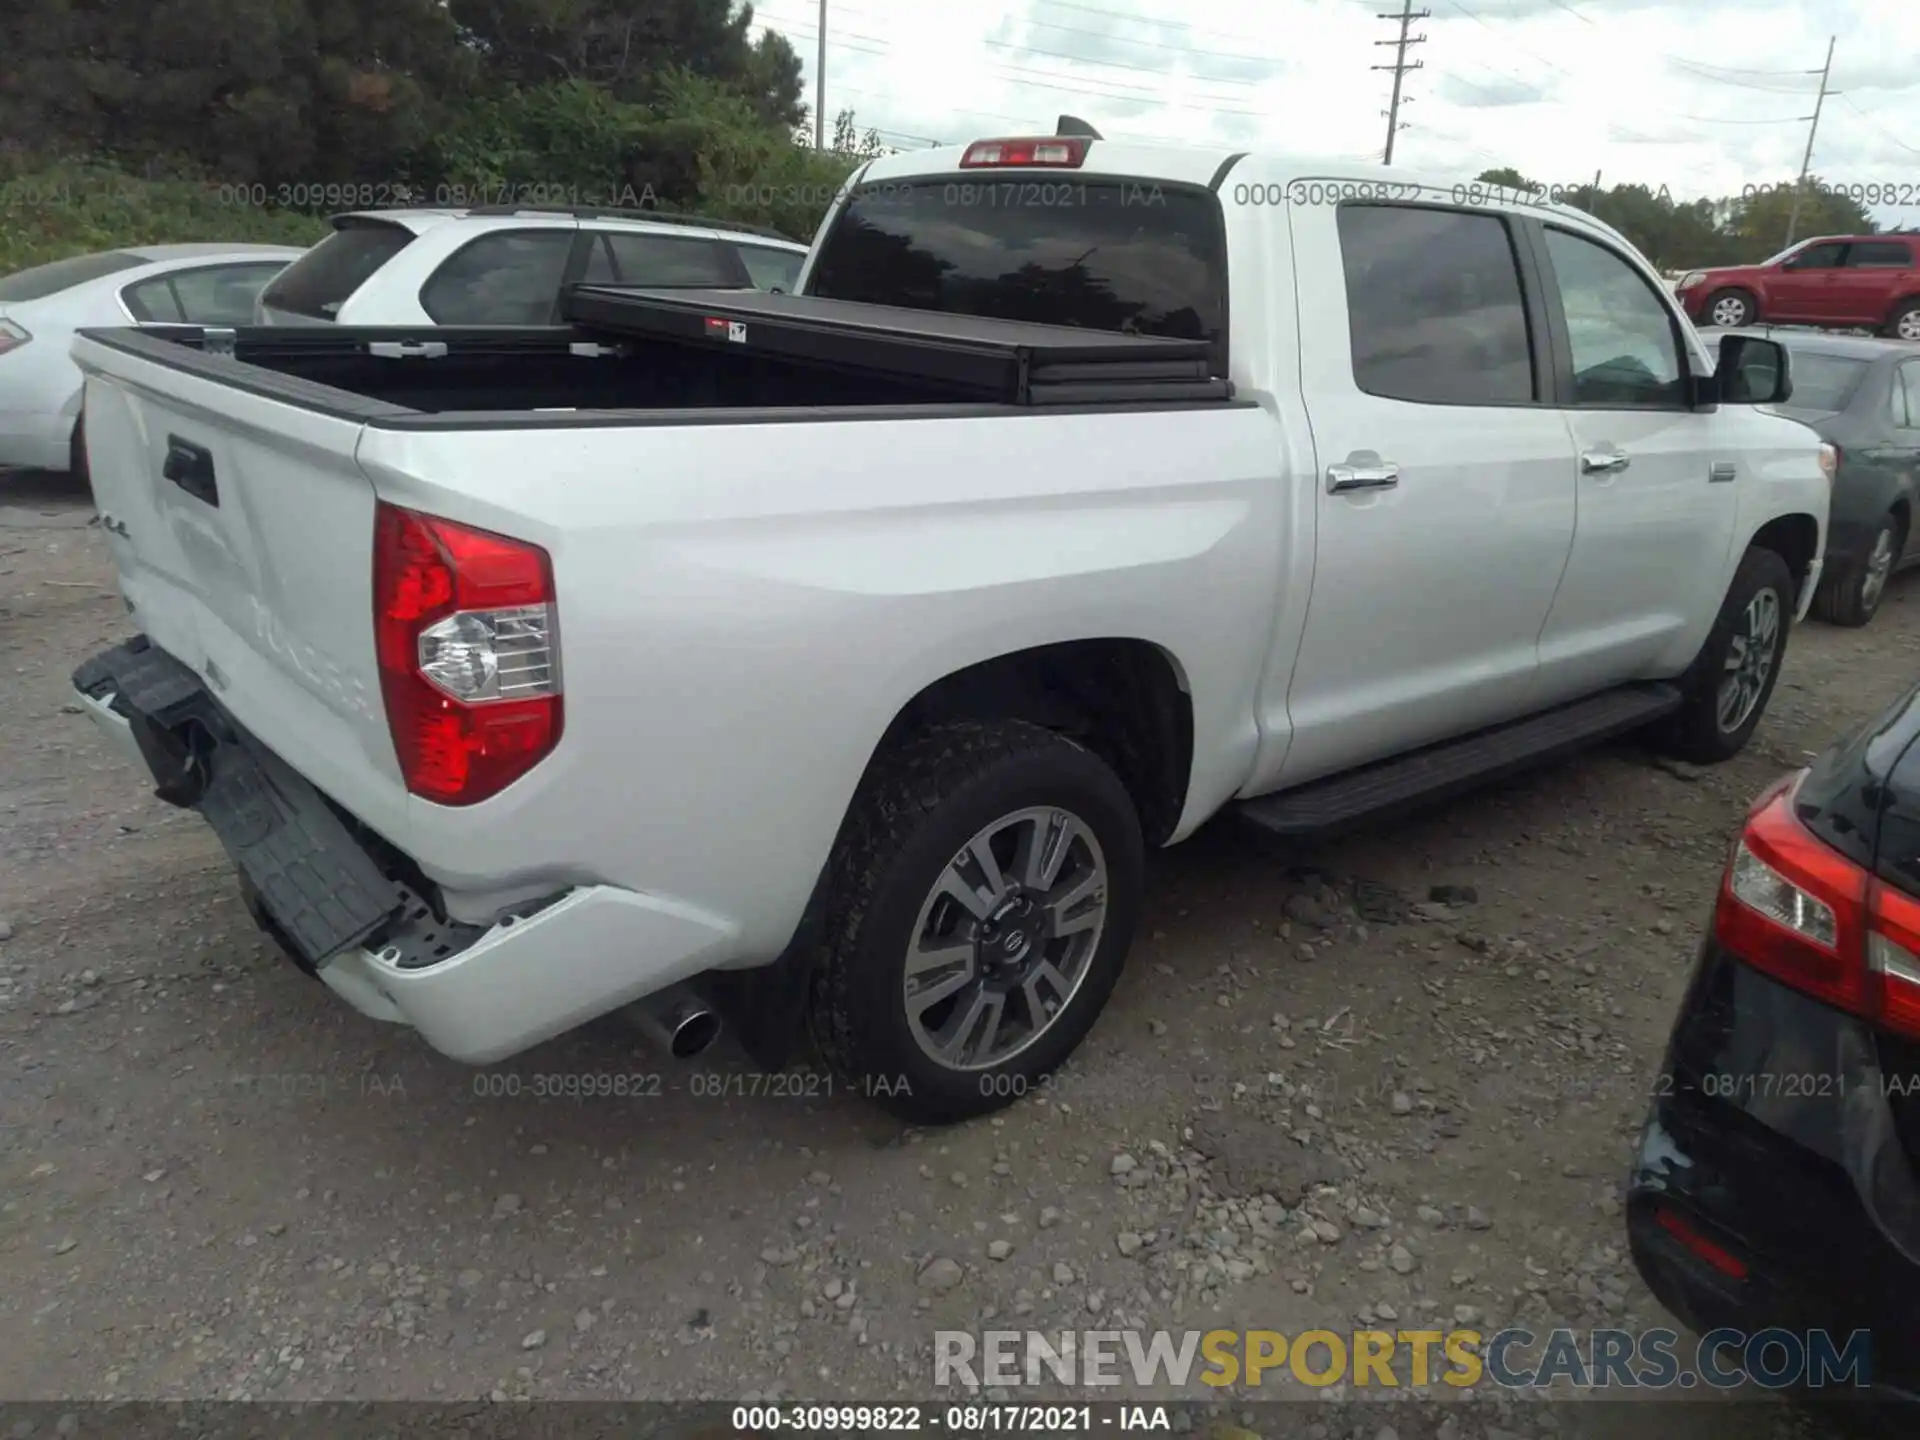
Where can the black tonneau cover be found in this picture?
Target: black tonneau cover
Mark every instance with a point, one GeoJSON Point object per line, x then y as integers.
{"type": "Point", "coordinates": [1008, 361]}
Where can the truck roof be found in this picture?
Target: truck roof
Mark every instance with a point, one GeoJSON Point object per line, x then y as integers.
{"type": "Point", "coordinates": [1198, 165]}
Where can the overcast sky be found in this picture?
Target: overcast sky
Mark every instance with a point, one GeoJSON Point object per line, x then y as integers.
{"type": "Point", "coordinates": [1703, 96]}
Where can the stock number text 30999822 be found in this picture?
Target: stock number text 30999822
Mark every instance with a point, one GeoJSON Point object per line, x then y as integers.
{"type": "Point", "coordinates": [971, 1419]}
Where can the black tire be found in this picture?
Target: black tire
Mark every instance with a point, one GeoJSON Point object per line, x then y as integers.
{"type": "Point", "coordinates": [1905, 316]}
{"type": "Point", "coordinates": [1749, 309]}
{"type": "Point", "coordinates": [918, 809]}
{"type": "Point", "coordinates": [1843, 597]}
{"type": "Point", "coordinates": [1695, 731]}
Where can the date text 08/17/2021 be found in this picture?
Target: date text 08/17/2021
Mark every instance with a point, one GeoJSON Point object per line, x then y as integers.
{"type": "Point", "coordinates": [967, 1419]}
{"type": "Point", "coordinates": [698, 1084]}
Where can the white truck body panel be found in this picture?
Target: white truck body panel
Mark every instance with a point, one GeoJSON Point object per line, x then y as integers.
{"type": "Point", "coordinates": [744, 608]}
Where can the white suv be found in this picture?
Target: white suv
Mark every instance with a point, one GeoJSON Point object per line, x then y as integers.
{"type": "Point", "coordinates": [506, 265]}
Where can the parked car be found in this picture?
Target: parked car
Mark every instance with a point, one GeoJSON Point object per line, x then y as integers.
{"type": "Point", "coordinates": [833, 659]}
{"type": "Point", "coordinates": [1867, 282]}
{"type": "Point", "coordinates": [1777, 1181]}
{"type": "Point", "coordinates": [507, 265]}
{"type": "Point", "coordinates": [1863, 396]}
{"type": "Point", "coordinates": [41, 307]}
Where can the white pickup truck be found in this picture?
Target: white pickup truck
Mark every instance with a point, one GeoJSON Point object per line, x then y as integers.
{"type": "Point", "coordinates": [829, 662]}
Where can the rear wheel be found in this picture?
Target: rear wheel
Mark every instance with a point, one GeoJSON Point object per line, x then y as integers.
{"type": "Point", "coordinates": [1853, 592]}
{"type": "Point", "coordinates": [1730, 308]}
{"type": "Point", "coordinates": [1727, 687]}
{"type": "Point", "coordinates": [984, 899]}
{"type": "Point", "coordinates": [1905, 322]}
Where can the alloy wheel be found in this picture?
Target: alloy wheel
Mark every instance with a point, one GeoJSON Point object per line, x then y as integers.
{"type": "Point", "coordinates": [1750, 660]}
{"type": "Point", "coordinates": [1005, 938]}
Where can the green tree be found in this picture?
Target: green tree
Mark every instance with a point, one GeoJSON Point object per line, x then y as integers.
{"type": "Point", "coordinates": [1507, 178]}
{"type": "Point", "coordinates": [1759, 217]}
{"type": "Point", "coordinates": [630, 46]}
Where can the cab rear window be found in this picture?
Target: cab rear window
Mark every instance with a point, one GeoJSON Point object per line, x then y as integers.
{"type": "Point", "coordinates": [1139, 257]}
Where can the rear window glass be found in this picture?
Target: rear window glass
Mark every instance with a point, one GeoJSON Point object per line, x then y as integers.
{"type": "Point", "coordinates": [1136, 257]}
{"type": "Point", "coordinates": [44, 280]}
{"type": "Point", "coordinates": [1824, 382]}
{"type": "Point", "coordinates": [319, 282]}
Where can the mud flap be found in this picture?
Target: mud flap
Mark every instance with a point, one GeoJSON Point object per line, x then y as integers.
{"type": "Point", "coordinates": [305, 870]}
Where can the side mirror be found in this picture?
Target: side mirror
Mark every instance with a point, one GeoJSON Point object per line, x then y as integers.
{"type": "Point", "coordinates": [1753, 371]}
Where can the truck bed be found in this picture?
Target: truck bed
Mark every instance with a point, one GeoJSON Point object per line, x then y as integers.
{"type": "Point", "coordinates": [633, 356]}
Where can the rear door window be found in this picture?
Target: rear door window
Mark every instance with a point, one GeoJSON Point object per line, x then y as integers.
{"type": "Point", "coordinates": [511, 277]}
{"type": "Point", "coordinates": [320, 281]}
{"type": "Point", "coordinates": [1434, 310]}
{"type": "Point", "coordinates": [1880, 255]}
{"type": "Point", "coordinates": [210, 295]}
{"type": "Point", "coordinates": [772, 269]}
{"type": "Point", "coordinates": [40, 281]}
{"type": "Point", "coordinates": [670, 261]}
{"type": "Point", "coordinates": [1139, 257]}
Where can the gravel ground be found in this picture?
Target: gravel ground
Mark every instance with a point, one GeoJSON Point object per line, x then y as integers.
{"type": "Point", "coordinates": [218, 1184]}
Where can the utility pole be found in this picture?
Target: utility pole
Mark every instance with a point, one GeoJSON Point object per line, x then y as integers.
{"type": "Point", "coordinates": [1399, 67]}
{"type": "Point", "coordinates": [1806, 160]}
{"type": "Point", "coordinates": [820, 85]}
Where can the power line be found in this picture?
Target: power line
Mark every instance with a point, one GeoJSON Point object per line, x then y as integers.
{"type": "Point", "coordinates": [1400, 67]}
{"type": "Point", "coordinates": [1724, 120]}
{"type": "Point", "coordinates": [1875, 125]}
{"type": "Point", "coordinates": [1111, 14]}
{"type": "Point", "coordinates": [1155, 44]}
{"type": "Point", "coordinates": [1143, 95]}
{"type": "Point", "coordinates": [1159, 70]}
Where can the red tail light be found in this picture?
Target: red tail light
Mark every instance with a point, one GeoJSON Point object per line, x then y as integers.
{"type": "Point", "coordinates": [1718, 1256]}
{"type": "Point", "coordinates": [1045, 151]}
{"type": "Point", "coordinates": [1808, 916]}
{"type": "Point", "coordinates": [469, 660]}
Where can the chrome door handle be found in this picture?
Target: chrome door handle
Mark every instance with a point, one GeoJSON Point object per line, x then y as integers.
{"type": "Point", "coordinates": [1603, 461]}
{"type": "Point", "coordinates": [1383, 475]}
{"type": "Point", "coordinates": [1722, 471]}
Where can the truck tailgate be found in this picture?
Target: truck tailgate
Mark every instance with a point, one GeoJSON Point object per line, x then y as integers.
{"type": "Point", "coordinates": [243, 532]}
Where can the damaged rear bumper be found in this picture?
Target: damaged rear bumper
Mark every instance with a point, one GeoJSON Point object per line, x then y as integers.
{"type": "Point", "coordinates": [351, 910]}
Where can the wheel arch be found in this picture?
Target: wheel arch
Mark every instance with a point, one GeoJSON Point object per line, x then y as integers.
{"type": "Point", "coordinates": [1128, 700]}
{"type": "Point", "coordinates": [1795, 538]}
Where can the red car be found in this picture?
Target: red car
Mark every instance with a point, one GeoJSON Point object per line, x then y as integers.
{"type": "Point", "coordinates": [1838, 281]}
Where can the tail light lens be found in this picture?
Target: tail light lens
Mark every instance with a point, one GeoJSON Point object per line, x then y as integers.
{"type": "Point", "coordinates": [1808, 916]}
{"type": "Point", "coordinates": [464, 623]}
{"type": "Point", "coordinates": [1048, 151]}
{"type": "Point", "coordinates": [12, 337]}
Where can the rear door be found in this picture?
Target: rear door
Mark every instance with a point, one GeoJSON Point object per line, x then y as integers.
{"type": "Point", "coordinates": [1445, 483]}
{"type": "Point", "coordinates": [243, 533]}
{"type": "Point", "coordinates": [1864, 288]}
{"type": "Point", "coordinates": [1906, 440]}
{"type": "Point", "coordinates": [1802, 288]}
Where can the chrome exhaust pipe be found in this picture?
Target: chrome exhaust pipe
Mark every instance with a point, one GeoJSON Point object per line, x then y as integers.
{"type": "Point", "coordinates": [677, 1020]}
